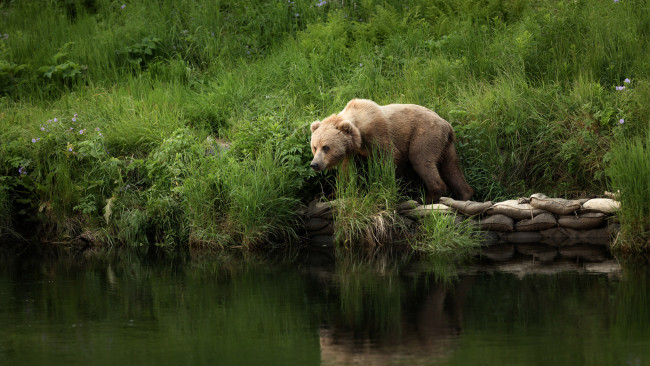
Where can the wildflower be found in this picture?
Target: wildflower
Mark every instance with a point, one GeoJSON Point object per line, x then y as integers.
{"type": "Point", "coordinates": [81, 132]}
{"type": "Point", "coordinates": [321, 3]}
{"type": "Point", "coordinates": [33, 141]}
{"type": "Point", "coordinates": [615, 1]}
{"type": "Point", "coordinates": [42, 128]}
{"type": "Point", "coordinates": [49, 121]}
{"type": "Point", "coordinates": [55, 119]}
{"type": "Point", "coordinates": [101, 135]}
{"type": "Point", "coordinates": [71, 128]}
{"type": "Point", "coordinates": [97, 129]}
{"type": "Point", "coordinates": [627, 81]}
{"type": "Point", "coordinates": [620, 88]}
{"type": "Point", "coordinates": [123, 6]}
{"type": "Point", "coordinates": [621, 121]}
{"type": "Point", "coordinates": [297, 15]}
{"type": "Point", "coordinates": [212, 33]}
{"type": "Point", "coordinates": [74, 119]}
{"type": "Point", "coordinates": [70, 149]}
{"type": "Point", "coordinates": [22, 170]}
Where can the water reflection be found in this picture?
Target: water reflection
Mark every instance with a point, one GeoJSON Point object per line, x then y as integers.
{"type": "Point", "coordinates": [59, 309]}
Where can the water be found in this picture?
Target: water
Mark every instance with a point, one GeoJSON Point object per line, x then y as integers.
{"type": "Point", "coordinates": [62, 310]}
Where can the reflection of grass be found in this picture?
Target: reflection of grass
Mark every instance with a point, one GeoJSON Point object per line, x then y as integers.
{"type": "Point", "coordinates": [630, 174]}
{"type": "Point", "coordinates": [370, 292]}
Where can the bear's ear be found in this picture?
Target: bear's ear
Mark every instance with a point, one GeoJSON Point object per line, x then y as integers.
{"type": "Point", "coordinates": [345, 126]}
{"type": "Point", "coordinates": [352, 130]}
{"type": "Point", "coordinates": [315, 125]}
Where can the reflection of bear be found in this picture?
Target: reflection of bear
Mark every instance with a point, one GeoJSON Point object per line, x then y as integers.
{"type": "Point", "coordinates": [414, 134]}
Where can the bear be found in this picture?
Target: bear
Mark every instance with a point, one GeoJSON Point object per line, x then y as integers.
{"type": "Point", "coordinates": [416, 136]}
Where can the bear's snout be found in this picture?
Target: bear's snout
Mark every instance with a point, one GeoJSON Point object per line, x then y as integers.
{"type": "Point", "coordinates": [315, 166]}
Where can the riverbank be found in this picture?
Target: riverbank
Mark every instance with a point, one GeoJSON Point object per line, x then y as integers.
{"type": "Point", "coordinates": [167, 123]}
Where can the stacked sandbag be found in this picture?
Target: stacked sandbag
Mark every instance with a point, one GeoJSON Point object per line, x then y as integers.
{"type": "Point", "coordinates": [539, 218]}
{"type": "Point", "coordinates": [319, 223]}
{"type": "Point", "coordinates": [556, 222]}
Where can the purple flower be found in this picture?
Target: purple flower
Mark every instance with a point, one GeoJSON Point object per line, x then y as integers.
{"type": "Point", "coordinates": [70, 149]}
{"type": "Point", "coordinates": [42, 128]}
{"type": "Point", "coordinates": [615, 1]}
{"type": "Point", "coordinates": [620, 88]}
{"type": "Point", "coordinates": [49, 121]}
{"type": "Point", "coordinates": [22, 170]}
{"type": "Point", "coordinates": [33, 141]}
{"type": "Point", "coordinates": [100, 135]}
{"type": "Point", "coordinates": [81, 132]}
{"type": "Point", "coordinates": [212, 34]}
{"type": "Point", "coordinates": [627, 81]}
{"type": "Point", "coordinates": [321, 3]}
{"type": "Point", "coordinates": [74, 119]}
{"type": "Point", "coordinates": [123, 6]}
{"type": "Point", "coordinates": [55, 119]}
{"type": "Point", "coordinates": [621, 121]}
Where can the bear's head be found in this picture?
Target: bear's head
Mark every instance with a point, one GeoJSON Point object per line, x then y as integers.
{"type": "Point", "coordinates": [332, 139]}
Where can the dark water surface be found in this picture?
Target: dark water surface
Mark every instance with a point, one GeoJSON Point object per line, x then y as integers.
{"type": "Point", "coordinates": [61, 310]}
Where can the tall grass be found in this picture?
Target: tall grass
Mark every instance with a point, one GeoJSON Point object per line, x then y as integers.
{"type": "Point", "coordinates": [629, 173]}
{"type": "Point", "coordinates": [367, 194]}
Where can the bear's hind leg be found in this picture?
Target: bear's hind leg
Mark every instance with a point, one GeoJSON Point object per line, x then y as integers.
{"type": "Point", "coordinates": [453, 176]}
{"type": "Point", "coordinates": [428, 171]}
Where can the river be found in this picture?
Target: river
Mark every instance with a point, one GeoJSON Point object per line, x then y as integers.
{"type": "Point", "coordinates": [308, 309]}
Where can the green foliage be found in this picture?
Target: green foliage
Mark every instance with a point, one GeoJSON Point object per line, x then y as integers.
{"type": "Point", "coordinates": [629, 174]}
{"type": "Point", "coordinates": [366, 196]}
{"type": "Point", "coordinates": [141, 53]}
{"type": "Point", "coordinates": [439, 235]}
{"type": "Point", "coordinates": [530, 88]}
{"type": "Point", "coordinates": [247, 202]}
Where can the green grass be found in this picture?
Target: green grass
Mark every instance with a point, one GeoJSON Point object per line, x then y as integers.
{"type": "Point", "coordinates": [529, 86]}
{"type": "Point", "coordinates": [629, 173]}
{"type": "Point", "coordinates": [367, 194]}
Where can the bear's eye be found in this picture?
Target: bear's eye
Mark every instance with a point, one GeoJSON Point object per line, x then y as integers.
{"type": "Point", "coordinates": [326, 148]}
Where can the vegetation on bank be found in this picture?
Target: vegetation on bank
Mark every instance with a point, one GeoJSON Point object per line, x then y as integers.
{"type": "Point", "coordinates": [163, 122]}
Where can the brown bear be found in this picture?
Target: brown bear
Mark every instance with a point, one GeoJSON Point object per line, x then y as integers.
{"type": "Point", "coordinates": [414, 134]}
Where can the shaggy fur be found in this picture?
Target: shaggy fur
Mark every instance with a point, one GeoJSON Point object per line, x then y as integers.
{"type": "Point", "coordinates": [415, 135]}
